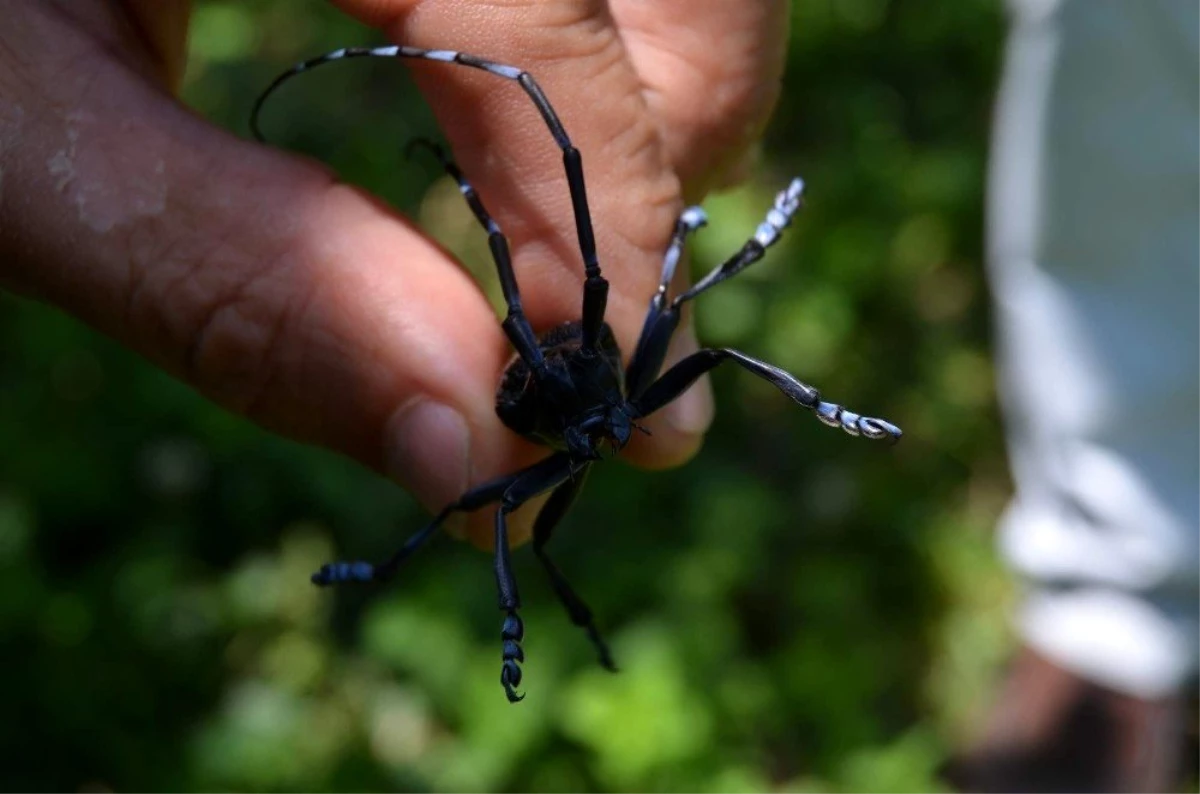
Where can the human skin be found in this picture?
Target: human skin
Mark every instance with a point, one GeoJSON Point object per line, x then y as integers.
{"type": "Point", "coordinates": [304, 304]}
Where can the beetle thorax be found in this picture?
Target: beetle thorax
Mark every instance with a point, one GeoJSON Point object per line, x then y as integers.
{"type": "Point", "coordinates": [577, 403]}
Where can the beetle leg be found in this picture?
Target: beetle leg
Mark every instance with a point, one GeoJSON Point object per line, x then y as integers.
{"type": "Point", "coordinates": [683, 374]}
{"type": "Point", "coordinates": [552, 512]}
{"type": "Point", "coordinates": [475, 498]}
{"type": "Point", "coordinates": [662, 318]}
{"type": "Point", "coordinates": [787, 203]}
{"type": "Point", "coordinates": [516, 325]}
{"type": "Point", "coordinates": [542, 476]}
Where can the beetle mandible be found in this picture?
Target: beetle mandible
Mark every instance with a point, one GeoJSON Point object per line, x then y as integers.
{"type": "Point", "coordinates": [566, 389]}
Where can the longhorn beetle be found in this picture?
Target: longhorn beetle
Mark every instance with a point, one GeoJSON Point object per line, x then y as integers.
{"type": "Point", "coordinates": [566, 389]}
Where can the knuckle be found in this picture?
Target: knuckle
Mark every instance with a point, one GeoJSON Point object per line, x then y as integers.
{"type": "Point", "coordinates": [213, 301]}
{"type": "Point", "coordinates": [376, 13]}
{"type": "Point", "coordinates": [234, 350]}
{"type": "Point", "coordinates": [201, 309]}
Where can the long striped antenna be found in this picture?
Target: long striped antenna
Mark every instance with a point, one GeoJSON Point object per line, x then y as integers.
{"type": "Point", "coordinates": [595, 287]}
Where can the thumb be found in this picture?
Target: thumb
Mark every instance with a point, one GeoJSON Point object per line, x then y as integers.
{"type": "Point", "coordinates": [250, 274]}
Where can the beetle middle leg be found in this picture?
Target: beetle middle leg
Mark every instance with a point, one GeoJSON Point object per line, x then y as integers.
{"type": "Point", "coordinates": [679, 377]}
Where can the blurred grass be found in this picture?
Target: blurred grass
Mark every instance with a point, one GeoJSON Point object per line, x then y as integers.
{"type": "Point", "coordinates": [791, 611]}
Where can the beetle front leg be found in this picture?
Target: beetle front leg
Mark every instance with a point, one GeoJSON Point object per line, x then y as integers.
{"type": "Point", "coordinates": [339, 572]}
{"type": "Point", "coordinates": [513, 630]}
{"type": "Point", "coordinates": [480, 496]}
{"type": "Point", "coordinates": [541, 477]}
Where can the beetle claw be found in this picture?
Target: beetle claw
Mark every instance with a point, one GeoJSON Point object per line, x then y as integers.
{"type": "Point", "coordinates": [510, 671]}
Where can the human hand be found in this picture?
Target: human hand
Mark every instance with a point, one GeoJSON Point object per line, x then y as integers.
{"type": "Point", "coordinates": [281, 294]}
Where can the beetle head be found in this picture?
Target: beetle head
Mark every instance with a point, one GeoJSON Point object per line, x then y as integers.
{"type": "Point", "coordinates": [618, 427]}
{"type": "Point", "coordinates": [611, 424]}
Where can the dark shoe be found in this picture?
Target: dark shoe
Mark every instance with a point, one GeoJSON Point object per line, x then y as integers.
{"type": "Point", "coordinates": [1053, 731]}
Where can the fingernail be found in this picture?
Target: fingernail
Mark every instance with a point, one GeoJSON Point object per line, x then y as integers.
{"type": "Point", "coordinates": [692, 412]}
{"type": "Point", "coordinates": [428, 452]}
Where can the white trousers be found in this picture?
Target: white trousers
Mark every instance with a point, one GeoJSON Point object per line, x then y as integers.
{"type": "Point", "coordinates": [1094, 257]}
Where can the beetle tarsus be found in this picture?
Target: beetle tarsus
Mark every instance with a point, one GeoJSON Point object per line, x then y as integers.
{"type": "Point", "coordinates": [337, 572]}
{"type": "Point", "coordinates": [834, 415]}
{"type": "Point", "coordinates": [511, 634]}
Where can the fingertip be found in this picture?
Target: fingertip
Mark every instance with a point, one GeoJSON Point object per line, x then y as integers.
{"type": "Point", "coordinates": [376, 13]}
{"type": "Point", "coordinates": [427, 449]}
{"type": "Point", "coordinates": [692, 413]}
{"type": "Point", "coordinates": [666, 448]}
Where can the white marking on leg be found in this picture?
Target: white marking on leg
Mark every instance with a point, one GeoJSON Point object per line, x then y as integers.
{"type": "Point", "coordinates": [766, 234]}
{"type": "Point", "coordinates": [511, 72]}
{"type": "Point", "coordinates": [669, 263]}
{"type": "Point", "coordinates": [850, 422]}
{"type": "Point", "coordinates": [694, 217]}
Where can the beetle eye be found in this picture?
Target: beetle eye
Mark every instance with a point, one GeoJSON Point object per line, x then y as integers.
{"type": "Point", "coordinates": [618, 426]}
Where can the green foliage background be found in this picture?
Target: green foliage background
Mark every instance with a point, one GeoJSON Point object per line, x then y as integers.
{"type": "Point", "coordinates": [792, 610]}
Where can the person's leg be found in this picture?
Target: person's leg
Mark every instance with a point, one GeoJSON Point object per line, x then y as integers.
{"type": "Point", "coordinates": [1050, 729]}
{"type": "Point", "coordinates": [1093, 251]}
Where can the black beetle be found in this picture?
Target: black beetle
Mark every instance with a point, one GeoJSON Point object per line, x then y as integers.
{"type": "Point", "coordinates": [567, 389]}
